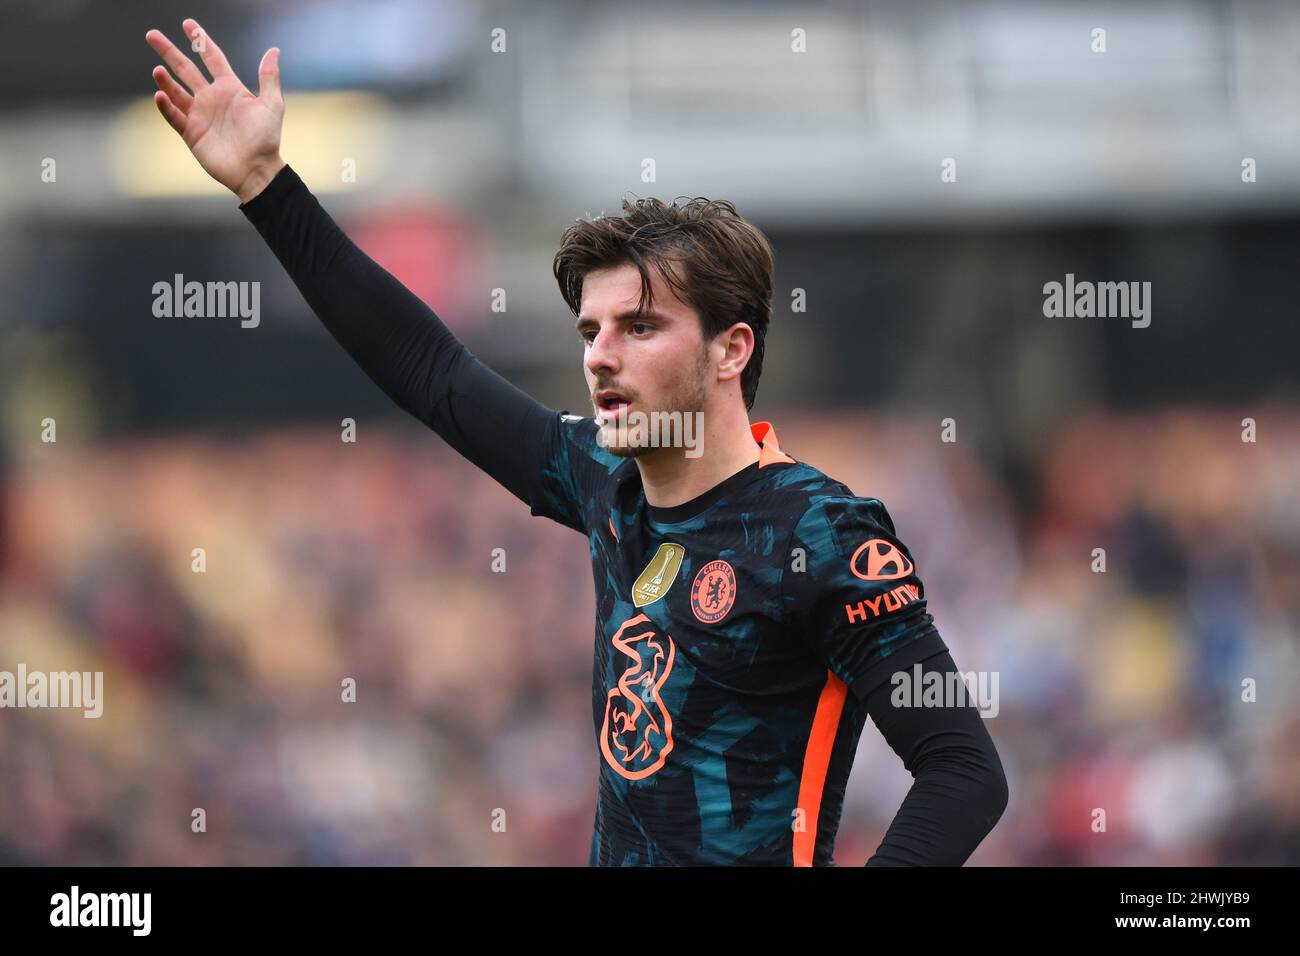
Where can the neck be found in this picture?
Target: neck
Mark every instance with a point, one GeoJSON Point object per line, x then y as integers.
{"type": "Point", "coordinates": [670, 478]}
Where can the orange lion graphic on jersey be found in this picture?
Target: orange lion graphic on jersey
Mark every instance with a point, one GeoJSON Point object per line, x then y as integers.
{"type": "Point", "coordinates": [637, 735]}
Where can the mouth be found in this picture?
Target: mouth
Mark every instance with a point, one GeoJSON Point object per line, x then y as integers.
{"type": "Point", "coordinates": [610, 403]}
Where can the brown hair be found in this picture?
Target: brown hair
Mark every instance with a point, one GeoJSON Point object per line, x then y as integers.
{"type": "Point", "coordinates": [727, 274]}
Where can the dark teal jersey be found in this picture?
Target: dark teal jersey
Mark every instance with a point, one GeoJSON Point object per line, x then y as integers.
{"type": "Point", "coordinates": [737, 638]}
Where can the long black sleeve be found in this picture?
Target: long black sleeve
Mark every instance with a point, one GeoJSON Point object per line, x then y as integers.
{"type": "Point", "coordinates": [399, 342]}
{"type": "Point", "coordinates": [959, 790]}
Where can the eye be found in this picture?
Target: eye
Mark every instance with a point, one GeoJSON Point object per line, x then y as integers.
{"type": "Point", "coordinates": [587, 335]}
{"type": "Point", "coordinates": [639, 327]}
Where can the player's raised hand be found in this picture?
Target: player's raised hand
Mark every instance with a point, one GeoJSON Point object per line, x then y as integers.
{"type": "Point", "coordinates": [233, 134]}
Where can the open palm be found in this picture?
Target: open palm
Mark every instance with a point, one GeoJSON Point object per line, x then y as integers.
{"type": "Point", "coordinates": [233, 134]}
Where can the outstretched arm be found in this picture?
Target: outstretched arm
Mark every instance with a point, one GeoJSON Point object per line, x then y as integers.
{"type": "Point", "coordinates": [397, 340]}
{"type": "Point", "coordinates": [400, 342]}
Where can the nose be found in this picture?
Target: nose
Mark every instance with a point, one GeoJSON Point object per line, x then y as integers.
{"type": "Point", "coordinates": [602, 355]}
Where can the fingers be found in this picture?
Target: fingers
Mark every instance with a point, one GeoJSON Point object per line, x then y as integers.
{"type": "Point", "coordinates": [175, 92]}
{"type": "Point", "coordinates": [170, 113]}
{"type": "Point", "coordinates": [181, 64]}
{"type": "Point", "coordinates": [212, 56]}
{"type": "Point", "coordinates": [268, 77]}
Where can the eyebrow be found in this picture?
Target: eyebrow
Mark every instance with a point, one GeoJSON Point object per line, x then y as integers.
{"type": "Point", "coordinates": [632, 315]}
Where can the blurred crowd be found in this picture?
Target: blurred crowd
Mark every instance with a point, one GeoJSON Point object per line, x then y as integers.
{"type": "Point", "coordinates": [1137, 591]}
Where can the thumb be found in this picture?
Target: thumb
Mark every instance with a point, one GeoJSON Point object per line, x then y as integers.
{"type": "Point", "coordinates": [268, 77]}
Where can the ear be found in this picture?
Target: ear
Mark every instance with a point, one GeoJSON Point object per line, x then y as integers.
{"type": "Point", "coordinates": [735, 345]}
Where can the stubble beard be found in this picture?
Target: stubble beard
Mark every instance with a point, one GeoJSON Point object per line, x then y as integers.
{"type": "Point", "coordinates": [689, 399]}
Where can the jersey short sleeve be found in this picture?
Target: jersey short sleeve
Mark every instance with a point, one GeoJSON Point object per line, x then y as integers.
{"type": "Point", "coordinates": [858, 604]}
{"type": "Point", "coordinates": [575, 469]}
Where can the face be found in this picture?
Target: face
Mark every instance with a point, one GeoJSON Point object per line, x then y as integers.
{"type": "Point", "coordinates": [649, 362]}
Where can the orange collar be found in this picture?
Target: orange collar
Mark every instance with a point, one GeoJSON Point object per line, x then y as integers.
{"type": "Point", "coordinates": [765, 435]}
